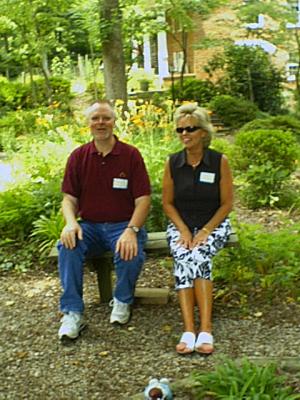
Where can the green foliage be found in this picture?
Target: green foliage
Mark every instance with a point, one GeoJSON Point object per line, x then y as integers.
{"type": "Point", "coordinates": [282, 122]}
{"type": "Point", "coordinates": [12, 95]}
{"type": "Point", "coordinates": [96, 90]}
{"type": "Point", "coordinates": [46, 231]}
{"type": "Point", "coordinates": [41, 176]}
{"type": "Point", "coordinates": [194, 90]}
{"type": "Point", "coordinates": [266, 158]}
{"type": "Point", "coordinates": [261, 146]}
{"type": "Point", "coordinates": [249, 73]}
{"type": "Point", "coordinates": [223, 146]}
{"type": "Point", "coordinates": [289, 196]}
{"type": "Point", "coordinates": [22, 205]}
{"type": "Point", "coordinates": [243, 380]}
{"type": "Point", "coordinates": [14, 257]}
{"type": "Point", "coordinates": [155, 148]}
{"type": "Point", "coordinates": [233, 111]}
{"type": "Point", "coordinates": [61, 92]}
{"type": "Point", "coordinates": [41, 33]}
{"type": "Point", "coordinates": [263, 185]}
{"type": "Point", "coordinates": [15, 95]}
{"type": "Point", "coordinates": [39, 123]}
{"type": "Point", "coordinates": [264, 260]}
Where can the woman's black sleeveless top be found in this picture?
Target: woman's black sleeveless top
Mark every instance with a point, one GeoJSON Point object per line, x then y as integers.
{"type": "Point", "coordinates": [196, 191]}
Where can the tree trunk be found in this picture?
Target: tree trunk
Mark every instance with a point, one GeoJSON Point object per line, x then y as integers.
{"type": "Point", "coordinates": [250, 86]}
{"type": "Point", "coordinates": [184, 41]}
{"type": "Point", "coordinates": [92, 53]}
{"type": "Point", "coordinates": [6, 46]}
{"type": "Point", "coordinates": [112, 50]}
{"type": "Point", "coordinates": [32, 84]}
{"type": "Point", "coordinates": [46, 73]}
{"type": "Point", "coordinates": [298, 69]}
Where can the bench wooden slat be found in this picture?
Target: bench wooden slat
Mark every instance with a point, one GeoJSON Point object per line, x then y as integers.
{"type": "Point", "coordinates": [103, 265]}
{"type": "Point", "coordinates": [158, 241]}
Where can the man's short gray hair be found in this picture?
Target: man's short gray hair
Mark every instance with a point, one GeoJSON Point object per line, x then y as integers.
{"type": "Point", "coordinates": [94, 107]}
{"type": "Point", "coordinates": [201, 116]}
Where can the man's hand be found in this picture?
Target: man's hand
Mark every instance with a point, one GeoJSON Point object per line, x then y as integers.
{"type": "Point", "coordinates": [69, 235]}
{"type": "Point", "coordinates": [127, 245]}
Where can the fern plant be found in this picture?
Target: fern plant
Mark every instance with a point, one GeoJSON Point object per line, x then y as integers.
{"type": "Point", "coordinates": [47, 230]}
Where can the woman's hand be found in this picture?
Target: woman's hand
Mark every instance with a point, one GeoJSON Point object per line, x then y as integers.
{"type": "Point", "coordinates": [200, 238]}
{"type": "Point", "coordinates": [185, 239]}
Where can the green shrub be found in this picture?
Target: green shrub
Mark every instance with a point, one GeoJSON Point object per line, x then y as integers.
{"type": "Point", "coordinates": [289, 196]}
{"type": "Point", "coordinates": [12, 125]}
{"type": "Point", "coordinates": [267, 158]}
{"type": "Point", "coordinates": [267, 260]}
{"type": "Point", "coordinates": [96, 90]}
{"type": "Point", "coordinates": [17, 257]}
{"type": "Point", "coordinates": [283, 122]}
{"type": "Point", "coordinates": [23, 126]}
{"type": "Point", "coordinates": [15, 95]}
{"type": "Point", "coordinates": [249, 73]}
{"type": "Point", "coordinates": [60, 93]}
{"type": "Point", "coordinates": [155, 148]}
{"type": "Point", "coordinates": [233, 111]}
{"type": "Point", "coordinates": [263, 186]}
{"type": "Point", "coordinates": [12, 96]}
{"type": "Point", "coordinates": [261, 146]}
{"type": "Point", "coordinates": [46, 231]}
{"type": "Point", "coordinates": [194, 90]}
{"type": "Point", "coordinates": [160, 99]}
{"type": "Point", "coordinates": [243, 380]}
{"type": "Point", "coordinates": [22, 205]}
{"type": "Point", "coordinates": [223, 146]}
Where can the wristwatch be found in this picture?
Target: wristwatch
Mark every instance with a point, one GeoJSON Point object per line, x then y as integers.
{"type": "Point", "coordinates": [135, 229]}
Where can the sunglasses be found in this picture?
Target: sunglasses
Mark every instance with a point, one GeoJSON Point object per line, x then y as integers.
{"type": "Point", "coordinates": [188, 129]}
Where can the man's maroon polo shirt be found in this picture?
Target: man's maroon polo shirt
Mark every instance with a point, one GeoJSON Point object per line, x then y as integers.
{"type": "Point", "coordinates": [106, 187]}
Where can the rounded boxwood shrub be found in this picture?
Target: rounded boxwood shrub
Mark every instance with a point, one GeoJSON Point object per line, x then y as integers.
{"type": "Point", "coordinates": [61, 92]}
{"type": "Point", "coordinates": [233, 111]}
{"type": "Point", "coordinates": [194, 90]}
{"type": "Point", "coordinates": [266, 159]}
{"type": "Point", "coordinates": [282, 122]}
{"type": "Point", "coordinates": [16, 95]}
{"type": "Point", "coordinates": [266, 145]}
{"type": "Point", "coordinates": [12, 95]}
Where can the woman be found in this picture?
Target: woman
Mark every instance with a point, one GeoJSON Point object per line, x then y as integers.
{"type": "Point", "coordinates": [197, 198]}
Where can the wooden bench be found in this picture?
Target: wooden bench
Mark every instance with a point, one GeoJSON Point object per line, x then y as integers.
{"type": "Point", "coordinates": [103, 266]}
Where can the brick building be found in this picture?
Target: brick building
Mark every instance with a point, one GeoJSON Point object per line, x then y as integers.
{"type": "Point", "coordinates": [165, 51]}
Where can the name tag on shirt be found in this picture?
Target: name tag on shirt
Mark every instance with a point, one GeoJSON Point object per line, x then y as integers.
{"type": "Point", "coordinates": [120, 183]}
{"type": "Point", "coordinates": [207, 177]}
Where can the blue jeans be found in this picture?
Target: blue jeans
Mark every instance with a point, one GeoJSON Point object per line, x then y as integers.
{"type": "Point", "coordinates": [98, 238]}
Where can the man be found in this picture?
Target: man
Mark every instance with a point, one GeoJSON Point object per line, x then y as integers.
{"type": "Point", "coordinates": [107, 186]}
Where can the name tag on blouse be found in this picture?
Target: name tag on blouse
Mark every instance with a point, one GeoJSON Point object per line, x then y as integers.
{"type": "Point", "coordinates": [207, 177]}
{"type": "Point", "coordinates": [120, 183]}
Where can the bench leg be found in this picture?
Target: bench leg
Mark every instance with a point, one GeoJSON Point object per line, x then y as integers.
{"type": "Point", "coordinates": [103, 270]}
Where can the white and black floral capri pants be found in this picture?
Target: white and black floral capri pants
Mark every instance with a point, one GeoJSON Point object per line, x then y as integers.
{"type": "Point", "coordinates": [196, 263]}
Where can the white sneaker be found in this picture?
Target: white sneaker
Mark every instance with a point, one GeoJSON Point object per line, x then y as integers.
{"type": "Point", "coordinates": [72, 324]}
{"type": "Point", "coordinates": [120, 312]}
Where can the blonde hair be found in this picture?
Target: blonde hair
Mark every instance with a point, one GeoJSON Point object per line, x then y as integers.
{"type": "Point", "coordinates": [94, 107]}
{"type": "Point", "coordinates": [201, 116]}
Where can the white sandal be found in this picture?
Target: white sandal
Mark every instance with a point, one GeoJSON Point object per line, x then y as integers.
{"type": "Point", "coordinates": [188, 338]}
{"type": "Point", "coordinates": [202, 339]}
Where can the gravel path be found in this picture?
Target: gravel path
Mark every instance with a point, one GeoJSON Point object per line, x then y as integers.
{"type": "Point", "coordinates": [116, 363]}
